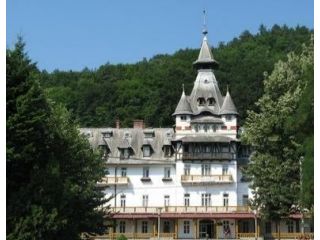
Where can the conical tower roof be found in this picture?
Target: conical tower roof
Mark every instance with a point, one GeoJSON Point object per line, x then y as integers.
{"type": "Point", "coordinates": [228, 106]}
{"type": "Point", "coordinates": [183, 106]}
{"type": "Point", "coordinates": [205, 58]}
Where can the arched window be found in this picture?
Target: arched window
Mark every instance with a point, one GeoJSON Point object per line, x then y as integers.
{"type": "Point", "coordinates": [201, 101]}
{"type": "Point", "coordinates": [211, 101]}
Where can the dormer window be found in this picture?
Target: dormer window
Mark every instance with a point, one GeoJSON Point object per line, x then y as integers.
{"type": "Point", "coordinates": [167, 150]}
{"type": "Point", "coordinates": [104, 151]}
{"type": "Point", "coordinates": [148, 133]}
{"type": "Point", "coordinates": [107, 134]}
{"type": "Point", "coordinates": [211, 101]}
{"type": "Point", "coordinates": [201, 101]}
{"type": "Point", "coordinates": [124, 153]}
{"type": "Point", "coordinates": [146, 151]}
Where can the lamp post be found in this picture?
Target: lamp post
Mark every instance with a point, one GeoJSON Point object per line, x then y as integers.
{"type": "Point", "coordinates": [159, 213]}
{"type": "Point", "coordinates": [255, 224]}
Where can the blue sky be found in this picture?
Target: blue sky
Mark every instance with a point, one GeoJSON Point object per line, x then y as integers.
{"type": "Point", "coordinates": [76, 34]}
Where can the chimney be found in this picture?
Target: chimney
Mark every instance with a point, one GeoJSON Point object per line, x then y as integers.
{"type": "Point", "coordinates": [117, 123]}
{"type": "Point", "coordinates": [138, 124]}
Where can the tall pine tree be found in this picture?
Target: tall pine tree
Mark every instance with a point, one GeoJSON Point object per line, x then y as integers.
{"type": "Point", "coordinates": [51, 169]}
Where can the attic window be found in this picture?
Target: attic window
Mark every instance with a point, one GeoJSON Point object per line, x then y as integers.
{"type": "Point", "coordinates": [201, 101]}
{"type": "Point", "coordinates": [146, 151]}
{"type": "Point", "coordinates": [127, 135]}
{"type": "Point", "coordinates": [168, 134]}
{"type": "Point", "coordinates": [149, 133]}
{"type": "Point", "coordinates": [167, 150]}
{"type": "Point", "coordinates": [107, 134]}
{"type": "Point", "coordinates": [211, 101]}
{"type": "Point", "coordinates": [206, 81]}
{"type": "Point", "coordinates": [124, 153]}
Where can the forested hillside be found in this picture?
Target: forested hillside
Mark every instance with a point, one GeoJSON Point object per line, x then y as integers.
{"type": "Point", "coordinates": [150, 89]}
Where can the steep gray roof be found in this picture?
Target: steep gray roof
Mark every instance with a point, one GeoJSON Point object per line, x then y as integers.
{"type": "Point", "coordinates": [133, 138]}
{"type": "Point", "coordinates": [228, 106]}
{"type": "Point", "coordinates": [205, 86]}
{"type": "Point", "coordinates": [183, 106]}
{"type": "Point", "coordinates": [205, 58]}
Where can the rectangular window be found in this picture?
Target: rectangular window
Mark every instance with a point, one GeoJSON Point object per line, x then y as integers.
{"type": "Point", "coordinates": [167, 151]}
{"type": "Point", "coordinates": [228, 118]}
{"type": "Point", "coordinates": [206, 199]}
{"type": "Point", "coordinates": [145, 199]}
{"type": "Point", "coordinates": [187, 170]}
{"type": "Point", "coordinates": [166, 226]}
{"type": "Point", "coordinates": [245, 200]}
{"type": "Point", "coordinates": [146, 151]}
{"type": "Point", "coordinates": [124, 153]}
{"type": "Point", "coordinates": [123, 172]}
{"type": "Point", "coordinates": [144, 227]}
{"type": "Point", "coordinates": [205, 169]}
{"type": "Point", "coordinates": [166, 200]}
{"type": "Point", "coordinates": [245, 226]}
{"type": "Point", "coordinates": [123, 201]}
{"type": "Point", "coordinates": [186, 227]}
{"type": "Point", "coordinates": [225, 199]}
{"type": "Point", "coordinates": [167, 172]}
{"type": "Point", "coordinates": [186, 199]}
{"type": "Point", "coordinates": [183, 118]}
{"type": "Point", "coordinates": [225, 170]}
{"type": "Point", "coordinates": [122, 227]}
{"type": "Point", "coordinates": [146, 172]}
{"type": "Point", "coordinates": [290, 226]}
{"type": "Point", "coordinates": [268, 227]}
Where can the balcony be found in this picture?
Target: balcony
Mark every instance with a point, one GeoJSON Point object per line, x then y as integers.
{"type": "Point", "coordinates": [183, 209]}
{"type": "Point", "coordinates": [109, 181]}
{"type": "Point", "coordinates": [208, 156]}
{"type": "Point", "coordinates": [208, 179]}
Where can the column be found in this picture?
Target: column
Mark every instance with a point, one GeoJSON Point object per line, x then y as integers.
{"type": "Point", "coordinates": [194, 228]}
{"type": "Point", "coordinates": [259, 222]}
{"type": "Point", "coordinates": [176, 228]}
{"type": "Point", "coordinates": [154, 227]}
{"type": "Point", "coordinates": [135, 228]}
{"type": "Point", "coordinates": [236, 229]}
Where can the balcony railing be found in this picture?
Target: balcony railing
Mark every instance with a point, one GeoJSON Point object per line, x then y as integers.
{"type": "Point", "coordinates": [208, 179]}
{"type": "Point", "coordinates": [294, 235]}
{"type": "Point", "coordinates": [207, 156]}
{"type": "Point", "coordinates": [183, 209]}
{"type": "Point", "coordinates": [107, 181]}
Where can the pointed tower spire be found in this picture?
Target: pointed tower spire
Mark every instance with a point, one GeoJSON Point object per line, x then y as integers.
{"type": "Point", "coordinates": [205, 59]}
{"type": "Point", "coordinates": [183, 106]}
{"type": "Point", "coordinates": [228, 106]}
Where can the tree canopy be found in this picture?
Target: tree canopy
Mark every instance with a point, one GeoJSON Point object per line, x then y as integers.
{"type": "Point", "coordinates": [150, 89]}
{"type": "Point", "coordinates": [281, 133]}
{"type": "Point", "coordinates": [51, 170]}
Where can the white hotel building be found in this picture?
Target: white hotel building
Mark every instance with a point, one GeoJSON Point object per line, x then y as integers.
{"type": "Point", "coordinates": [189, 177]}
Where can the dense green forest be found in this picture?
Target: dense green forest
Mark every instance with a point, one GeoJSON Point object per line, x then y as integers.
{"type": "Point", "coordinates": [150, 89]}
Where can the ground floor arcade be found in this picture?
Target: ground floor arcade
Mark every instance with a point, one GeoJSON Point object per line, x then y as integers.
{"type": "Point", "coordinates": [204, 226]}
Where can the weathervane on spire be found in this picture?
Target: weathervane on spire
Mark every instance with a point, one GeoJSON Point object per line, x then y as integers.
{"type": "Point", "coordinates": [204, 31]}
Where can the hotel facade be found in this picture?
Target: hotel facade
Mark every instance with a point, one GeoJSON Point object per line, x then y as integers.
{"type": "Point", "coordinates": [185, 182]}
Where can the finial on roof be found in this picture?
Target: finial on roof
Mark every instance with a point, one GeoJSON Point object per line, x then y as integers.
{"type": "Point", "coordinates": [227, 88]}
{"type": "Point", "coordinates": [183, 87]}
{"type": "Point", "coordinates": [204, 31]}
